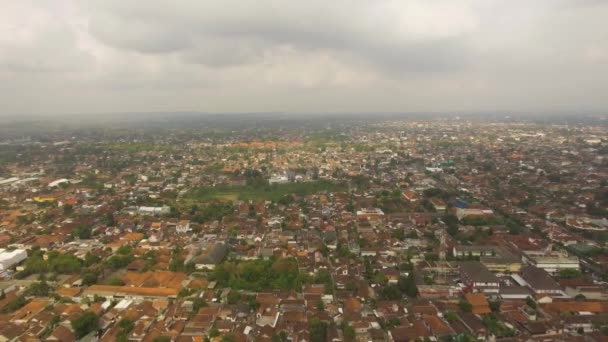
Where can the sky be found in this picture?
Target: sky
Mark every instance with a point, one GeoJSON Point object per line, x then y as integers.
{"type": "Point", "coordinates": [98, 56]}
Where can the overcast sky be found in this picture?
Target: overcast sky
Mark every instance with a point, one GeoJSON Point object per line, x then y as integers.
{"type": "Point", "coordinates": [87, 56]}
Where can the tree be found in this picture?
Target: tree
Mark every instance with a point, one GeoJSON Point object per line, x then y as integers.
{"type": "Point", "coordinates": [407, 285]}
{"type": "Point", "coordinates": [233, 297]}
{"type": "Point", "coordinates": [320, 305]}
{"type": "Point", "coordinates": [213, 332]}
{"type": "Point", "coordinates": [452, 229]}
{"type": "Point", "coordinates": [465, 306]}
{"type": "Point", "coordinates": [349, 333]}
{"type": "Point", "coordinates": [64, 263]}
{"type": "Point", "coordinates": [82, 232]}
{"type": "Point", "coordinates": [85, 323]}
{"type": "Point", "coordinates": [228, 338]}
{"type": "Point", "coordinates": [531, 303]}
{"type": "Point", "coordinates": [91, 259]}
{"type": "Point", "coordinates": [162, 339]}
{"type": "Point", "coordinates": [390, 292]}
{"type": "Point", "coordinates": [89, 277]}
{"type": "Point", "coordinates": [569, 273]}
{"type": "Point", "coordinates": [68, 209]}
{"type": "Point", "coordinates": [318, 330]}
{"type": "Point", "coordinates": [116, 281]}
{"type": "Point", "coordinates": [39, 289]}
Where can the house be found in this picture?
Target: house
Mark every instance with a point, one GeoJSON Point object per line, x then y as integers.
{"type": "Point", "coordinates": [477, 278]}
{"type": "Point", "coordinates": [411, 196]}
{"type": "Point", "coordinates": [540, 281]}
{"type": "Point", "coordinates": [211, 256]}
{"type": "Point", "coordinates": [479, 303]}
{"type": "Point", "coordinates": [438, 204]}
{"type": "Point", "coordinates": [183, 226]}
{"type": "Point", "coordinates": [110, 291]}
{"type": "Point", "coordinates": [370, 214]}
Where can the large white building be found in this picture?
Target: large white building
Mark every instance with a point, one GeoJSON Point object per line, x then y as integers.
{"type": "Point", "coordinates": [553, 262]}
{"type": "Point", "coordinates": [9, 259]}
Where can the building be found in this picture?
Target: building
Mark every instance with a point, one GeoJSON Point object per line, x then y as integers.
{"type": "Point", "coordinates": [438, 204]}
{"type": "Point", "coordinates": [370, 213]}
{"type": "Point", "coordinates": [128, 292]}
{"type": "Point", "coordinates": [183, 226]}
{"type": "Point", "coordinates": [540, 282]}
{"type": "Point", "coordinates": [479, 303]}
{"type": "Point", "coordinates": [211, 256]}
{"type": "Point", "coordinates": [411, 196]}
{"type": "Point", "coordinates": [477, 278]}
{"type": "Point", "coordinates": [495, 258]}
{"type": "Point", "coordinates": [473, 212]}
{"type": "Point", "coordinates": [154, 210]}
{"type": "Point", "coordinates": [552, 262]}
{"type": "Point", "coordinates": [9, 259]}
{"type": "Point", "coordinates": [474, 251]}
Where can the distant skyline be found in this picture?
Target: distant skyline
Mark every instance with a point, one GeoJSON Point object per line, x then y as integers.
{"type": "Point", "coordinates": [94, 56]}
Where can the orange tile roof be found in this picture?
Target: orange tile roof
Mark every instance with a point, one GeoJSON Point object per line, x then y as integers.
{"type": "Point", "coordinates": [476, 299]}
{"type": "Point", "coordinates": [141, 291]}
{"type": "Point", "coordinates": [598, 307]}
{"type": "Point", "coordinates": [133, 237]}
{"type": "Point", "coordinates": [31, 309]}
{"type": "Point", "coordinates": [69, 291]}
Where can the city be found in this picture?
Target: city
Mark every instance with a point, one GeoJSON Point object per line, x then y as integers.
{"type": "Point", "coordinates": [304, 171]}
{"type": "Point", "coordinates": [393, 229]}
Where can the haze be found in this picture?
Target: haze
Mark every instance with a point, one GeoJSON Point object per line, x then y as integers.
{"type": "Point", "coordinates": [88, 57]}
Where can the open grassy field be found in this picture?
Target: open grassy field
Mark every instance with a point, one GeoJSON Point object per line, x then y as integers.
{"type": "Point", "coordinates": [268, 192]}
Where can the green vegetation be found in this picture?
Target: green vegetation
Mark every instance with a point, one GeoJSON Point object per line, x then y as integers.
{"type": "Point", "coordinates": [569, 273]}
{"type": "Point", "coordinates": [90, 276]}
{"type": "Point", "coordinates": [84, 324]}
{"type": "Point", "coordinates": [405, 286]}
{"type": "Point", "coordinates": [127, 326]}
{"type": "Point", "coordinates": [211, 212]}
{"type": "Point", "coordinates": [82, 232]}
{"type": "Point", "coordinates": [496, 327]}
{"type": "Point", "coordinates": [258, 275]}
{"type": "Point", "coordinates": [531, 303]}
{"type": "Point", "coordinates": [162, 339]}
{"type": "Point", "coordinates": [56, 262]}
{"type": "Point", "coordinates": [273, 192]}
{"type": "Point", "coordinates": [123, 257]}
{"type": "Point", "coordinates": [318, 330]}
{"type": "Point", "coordinates": [14, 304]}
{"type": "Point", "coordinates": [39, 289]}
{"type": "Point", "coordinates": [452, 223]}
{"type": "Point", "coordinates": [465, 306]}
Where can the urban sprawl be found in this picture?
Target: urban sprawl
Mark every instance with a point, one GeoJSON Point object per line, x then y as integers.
{"type": "Point", "coordinates": [396, 230]}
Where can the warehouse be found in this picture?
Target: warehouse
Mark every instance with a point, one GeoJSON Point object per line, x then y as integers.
{"type": "Point", "coordinates": [9, 259]}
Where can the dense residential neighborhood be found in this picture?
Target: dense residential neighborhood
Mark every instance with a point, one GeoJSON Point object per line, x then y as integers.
{"type": "Point", "coordinates": [380, 230]}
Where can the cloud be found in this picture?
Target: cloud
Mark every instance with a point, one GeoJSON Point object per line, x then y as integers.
{"type": "Point", "coordinates": [422, 34]}
{"type": "Point", "coordinates": [246, 55]}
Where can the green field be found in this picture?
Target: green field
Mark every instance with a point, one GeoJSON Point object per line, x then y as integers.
{"type": "Point", "coordinates": [267, 192]}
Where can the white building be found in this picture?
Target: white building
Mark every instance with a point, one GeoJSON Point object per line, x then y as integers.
{"type": "Point", "coordinates": [154, 210]}
{"type": "Point", "coordinates": [554, 262]}
{"type": "Point", "coordinates": [464, 212]}
{"type": "Point", "coordinates": [58, 182]}
{"type": "Point", "coordinates": [278, 179]}
{"type": "Point", "coordinates": [9, 259]}
{"type": "Point", "coordinates": [183, 226]}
